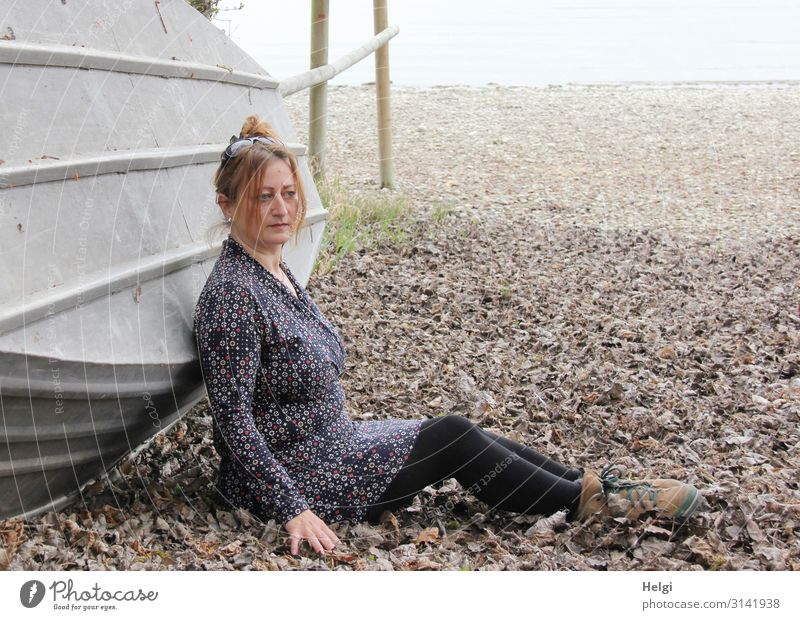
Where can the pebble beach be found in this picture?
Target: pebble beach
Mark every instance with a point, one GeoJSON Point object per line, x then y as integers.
{"type": "Point", "coordinates": [610, 274]}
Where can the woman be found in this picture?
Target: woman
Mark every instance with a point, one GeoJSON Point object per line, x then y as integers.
{"type": "Point", "coordinates": [271, 363]}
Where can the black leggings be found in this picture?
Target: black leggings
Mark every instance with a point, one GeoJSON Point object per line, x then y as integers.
{"type": "Point", "coordinates": [497, 470]}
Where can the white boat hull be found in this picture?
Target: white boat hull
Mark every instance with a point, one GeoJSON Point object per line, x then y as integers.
{"type": "Point", "coordinates": [111, 135]}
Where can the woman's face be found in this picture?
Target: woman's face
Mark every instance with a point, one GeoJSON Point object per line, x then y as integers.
{"type": "Point", "coordinates": [269, 222]}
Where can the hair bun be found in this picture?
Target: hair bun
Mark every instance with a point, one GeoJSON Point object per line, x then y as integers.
{"type": "Point", "coordinates": [254, 126]}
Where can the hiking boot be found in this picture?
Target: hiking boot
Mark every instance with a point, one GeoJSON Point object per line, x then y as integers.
{"type": "Point", "coordinates": [607, 494]}
{"type": "Point", "coordinates": [592, 500]}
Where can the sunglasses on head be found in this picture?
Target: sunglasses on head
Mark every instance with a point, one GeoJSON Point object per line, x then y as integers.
{"type": "Point", "coordinates": [237, 144]}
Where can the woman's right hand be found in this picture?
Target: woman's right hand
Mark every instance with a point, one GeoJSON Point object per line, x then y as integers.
{"type": "Point", "coordinates": [309, 526]}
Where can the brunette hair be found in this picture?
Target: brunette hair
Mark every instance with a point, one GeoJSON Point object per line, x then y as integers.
{"type": "Point", "coordinates": [239, 178]}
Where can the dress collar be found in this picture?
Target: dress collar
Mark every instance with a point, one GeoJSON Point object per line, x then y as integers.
{"type": "Point", "coordinates": [234, 249]}
{"type": "Point", "coordinates": [236, 252]}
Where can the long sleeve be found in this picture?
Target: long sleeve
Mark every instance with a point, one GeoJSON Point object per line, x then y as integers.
{"type": "Point", "coordinates": [229, 346]}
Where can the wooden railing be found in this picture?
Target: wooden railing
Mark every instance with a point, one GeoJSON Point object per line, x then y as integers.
{"type": "Point", "coordinates": [316, 79]}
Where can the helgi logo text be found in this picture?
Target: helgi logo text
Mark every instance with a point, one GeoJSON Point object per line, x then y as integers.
{"type": "Point", "coordinates": [31, 593]}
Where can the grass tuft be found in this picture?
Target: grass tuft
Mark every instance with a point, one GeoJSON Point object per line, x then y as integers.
{"type": "Point", "coordinates": [359, 221]}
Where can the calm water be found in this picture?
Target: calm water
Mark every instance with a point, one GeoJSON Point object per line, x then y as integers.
{"type": "Point", "coordinates": [538, 42]}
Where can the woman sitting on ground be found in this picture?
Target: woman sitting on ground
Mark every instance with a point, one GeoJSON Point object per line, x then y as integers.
{"type": "Point", "coordinates": [271, 363]}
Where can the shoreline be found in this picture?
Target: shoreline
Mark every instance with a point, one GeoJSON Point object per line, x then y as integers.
{"type": "Point", "coordinates": [623, 85]}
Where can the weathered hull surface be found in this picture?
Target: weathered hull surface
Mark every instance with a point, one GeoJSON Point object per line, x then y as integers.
{"type": "Point", "coordinates": [113, 117]}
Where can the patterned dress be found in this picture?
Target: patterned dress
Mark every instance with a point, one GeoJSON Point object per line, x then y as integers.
{"type": "Point", "coordinates": [271, 364]}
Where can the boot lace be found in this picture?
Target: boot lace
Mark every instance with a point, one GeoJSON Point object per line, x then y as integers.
{"type": "Point", "coordinates": [641, 494]}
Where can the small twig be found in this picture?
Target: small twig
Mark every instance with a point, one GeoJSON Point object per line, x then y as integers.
{"type": "Point", "coordinates": [161, 17]}
{"type": "Point", "coordinates": [541, 400]}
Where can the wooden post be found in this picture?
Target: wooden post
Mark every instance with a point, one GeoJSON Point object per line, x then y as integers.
{"type": "Point", "coordinates": [318, 95]}
{"type": "Point", "coordinates": [381, 18]}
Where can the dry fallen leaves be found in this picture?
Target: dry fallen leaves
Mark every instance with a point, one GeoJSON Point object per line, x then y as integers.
{"type": "Point", "coordinates": [649, 317]}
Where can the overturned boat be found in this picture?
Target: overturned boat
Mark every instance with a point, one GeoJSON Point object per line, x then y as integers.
{"type": "Point", "coordinates": [114, 115]}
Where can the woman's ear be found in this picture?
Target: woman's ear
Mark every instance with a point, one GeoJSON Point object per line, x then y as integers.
{"type": "Point", "coordinates": [225, 205]}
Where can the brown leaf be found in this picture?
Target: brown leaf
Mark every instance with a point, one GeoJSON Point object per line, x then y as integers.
{"type": "Point", "coordinates": [657, 531]}
{"type": "Point", "coordinates": [231, 549]}
{"type": "Point", "coordinates": [429, 534]}
{"type": "Point", "coordinates": [420, 564]}
{"type": "Point", "coordinates": [12, 534]}
{"type": "Point", "coordinates": [705, 552]}
{"type": "Point", "coordinates": [755, 533]}
{"type": "Point", "coordinates": [615, 394]}
{"type": "Point", "coordinates": [775, 558]}
{"type": "Point", "coordinates": [393, 520]}
{"type": "Point", "coordinates": [666, 353]}
{"type": "Point", "coordinates": [140, 549]}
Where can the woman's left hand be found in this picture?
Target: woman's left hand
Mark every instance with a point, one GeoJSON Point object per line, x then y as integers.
{"type": "Point", "coordinates": [309, 526]}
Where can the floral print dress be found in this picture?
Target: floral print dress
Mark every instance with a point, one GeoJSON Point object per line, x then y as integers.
{"type": "Point", "coordinates": [271, 363]}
